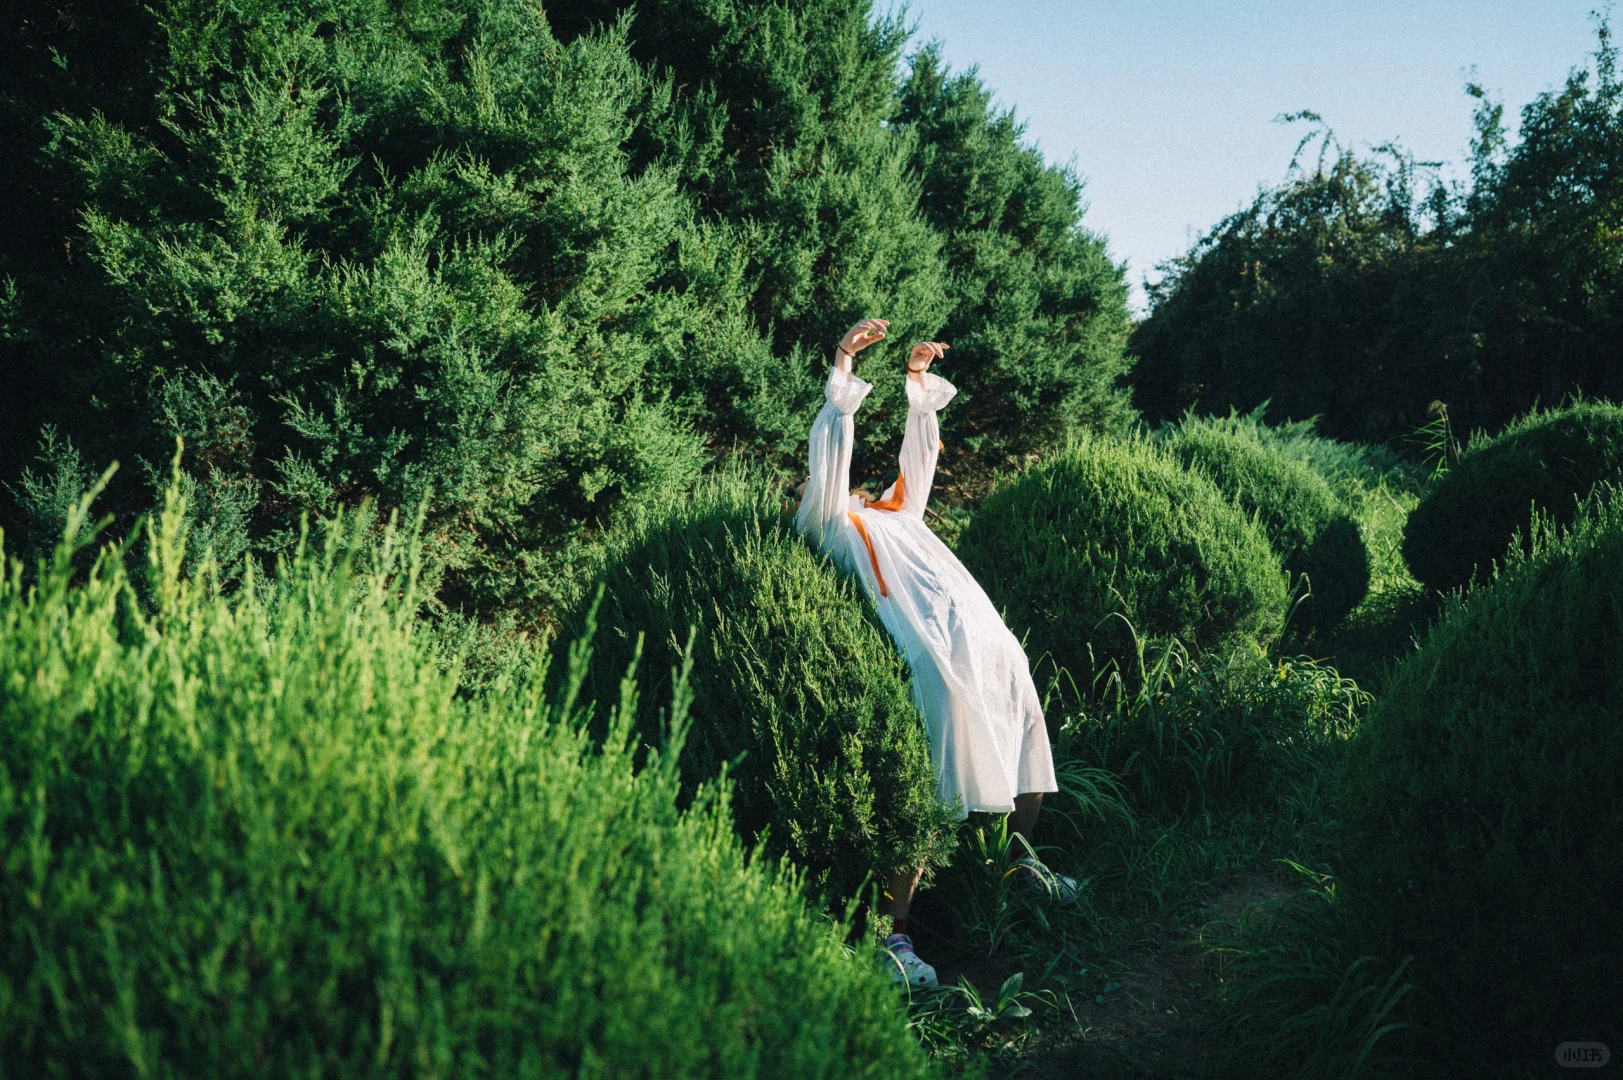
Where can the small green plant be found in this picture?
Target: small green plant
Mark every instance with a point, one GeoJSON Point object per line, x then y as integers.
{"type": "Point", "coordinates": [1435, 439]}
{"type": "Point", "coordinates": [955, 1020]}
{"type": "Point", "coordinates": [985, 903]}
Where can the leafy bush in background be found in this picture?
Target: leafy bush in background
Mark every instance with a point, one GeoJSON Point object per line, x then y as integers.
{"type": "Point", "coordinates": [1108, 527]}
{"type": "Point", "coordinates": [1545, 460]}
{"type": "Point", "coordinates": [1346, 466]}
{"type": "Point", "coordinates": [1295, 506]}
{"type": "Point", "coordinates": [262, 834]}
{"type": "Point", "coordinates": [792, 670]}
{"type": "Point", "coordinates": [1479, 821]}
{"type": "Point", "coordinates": [1363, 288]}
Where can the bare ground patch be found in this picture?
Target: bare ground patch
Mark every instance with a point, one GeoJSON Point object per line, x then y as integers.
{"type": "Point", "coordinates": [1145, 1014]}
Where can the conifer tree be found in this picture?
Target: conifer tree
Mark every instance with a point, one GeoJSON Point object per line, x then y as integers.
{"type": "Point", "coordinates": [534, 264]}
{"type": "Point", "coordinates": [359, 251]}
{"type": "Point", "coordinates": [853, 194]}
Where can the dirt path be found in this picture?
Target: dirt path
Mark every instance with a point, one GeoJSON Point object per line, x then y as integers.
{"type": "Point", "coordinates": [1157, 1024]}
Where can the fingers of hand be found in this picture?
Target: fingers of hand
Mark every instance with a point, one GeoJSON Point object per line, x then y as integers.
{"type": "Point", "coordinates": [865, 333]}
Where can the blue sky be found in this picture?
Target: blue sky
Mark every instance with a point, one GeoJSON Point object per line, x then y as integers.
{"type": "Point", "coordinates": [1166, 107]}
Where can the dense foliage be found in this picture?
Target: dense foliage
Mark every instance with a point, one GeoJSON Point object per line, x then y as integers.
{"type": "Point", "coordinates": [536, 274]}
{"type": "Point", "coordinates": [1305, 522]}
{"type": "Point", "coordinates": [1544, 460]}
{"type": "Point", "coordinates": [1185, 736]}
{"type": "Point", "coordinates": [792, 670]}
{"type": "Point", "coordinates": [850, 195]}
{"type": "Point", "coordinates": [1111, 539]}
{"type": "Point", "coordinates": [1480, 820]}
{"type": "Point", "coordinates": [1037, 314]}
{"type": "Point", "coordinates": [263, 835]}
{"type": "Point", "coordinates": [1360, 292]}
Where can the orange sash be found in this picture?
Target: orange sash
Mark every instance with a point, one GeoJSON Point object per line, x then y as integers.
{"type": "Point", "coordinates": [893, 504]}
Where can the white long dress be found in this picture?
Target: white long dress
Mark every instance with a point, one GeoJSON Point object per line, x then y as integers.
{"type": "Point", "coordinates": [971, 679]}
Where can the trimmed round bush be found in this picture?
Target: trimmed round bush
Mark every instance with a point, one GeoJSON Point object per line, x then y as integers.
{"type": "Point", "coordinates": [1480, 821]}
{"type": "Point", "coordinates": [263, 836]}
{"type": "Point", "coordinates": [1549, 460]}
{"type": "Point", "coordinates": [1107, 527]}
{"type": "Point", "coordinates": [1304, 520]}
{"type": "Point", "coordinates": [794, 679]}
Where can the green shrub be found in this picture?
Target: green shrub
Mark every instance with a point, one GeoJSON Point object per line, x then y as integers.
{"type": "Point", "coordinates": [530, 258]}
{"type": "Point", "coordinates": [1480, 817]}
{"type": "Point", "coordinates": [1182, 736]}
{"type": "Point", "coordinates": [1304, 520]}
{"type": "Point", "coordinates": [1345, 466]}
{"type": "Point", "coordinates": [792, 670]}
{"type": "Point", "coordinates": [262, 835]}
{"type": "Point", "coordinates": [1549, 460]}
{"type": "Point", "coordinates": [1117, 527]}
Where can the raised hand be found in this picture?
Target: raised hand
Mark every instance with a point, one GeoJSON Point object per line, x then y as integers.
{"type": "Point", "coordinates": [923, 355]}
{"type": "Point", "coordinates": [859, 337]}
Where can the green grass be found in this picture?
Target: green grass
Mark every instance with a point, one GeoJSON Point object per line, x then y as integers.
{"type": "Point", "coordinates": [1299, 1001]}
{"type": "Point", "coordinates": [261, 832]}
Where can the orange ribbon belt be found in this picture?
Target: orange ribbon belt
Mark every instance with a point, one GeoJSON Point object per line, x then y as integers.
{"type": "Point", "coordinates": [893, 503]}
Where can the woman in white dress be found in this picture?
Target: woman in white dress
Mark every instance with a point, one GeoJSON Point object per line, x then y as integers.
{"type": "Point", "coordinates": [971, 680]}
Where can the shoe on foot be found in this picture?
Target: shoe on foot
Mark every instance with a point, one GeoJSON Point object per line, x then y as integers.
{"type": "Point", "coordinates": [1057, 889]}
{"type": "Point", "coordinates": [904, 963]}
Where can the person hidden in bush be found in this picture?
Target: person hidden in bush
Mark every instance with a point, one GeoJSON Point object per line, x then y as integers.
{"type": "Point", "coordinates": [971, 680]}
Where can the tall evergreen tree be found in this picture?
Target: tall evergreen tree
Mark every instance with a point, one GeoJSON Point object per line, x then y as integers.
{"type": "Point", "coordinates": [351, 249]}
{"type": "Point", "coordinates": [531, 263]}
{"type": "Point", "coordinates": [853, 193]}
{"type": "Point", "coordinates": [777, 118]}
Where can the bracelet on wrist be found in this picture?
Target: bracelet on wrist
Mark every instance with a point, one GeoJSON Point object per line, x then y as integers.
{"type": "Point", "coordinates": [844, 350]}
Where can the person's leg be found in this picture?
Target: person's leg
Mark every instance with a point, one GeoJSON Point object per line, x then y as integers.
{"type": "Point", "coordinates": [1025, 815]}
{"type": "Point", "coordinates": [903, 960]}
{"type": "Point", "coordinates": [1056, 887]}
{"type": "Point", "coordinates": [898, 899]}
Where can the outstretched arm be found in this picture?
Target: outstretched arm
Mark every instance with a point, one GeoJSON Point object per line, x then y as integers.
{"type": "Point", "coordinates": [825, 499]}
{"type": "Point", "coordinates": [921, 444]}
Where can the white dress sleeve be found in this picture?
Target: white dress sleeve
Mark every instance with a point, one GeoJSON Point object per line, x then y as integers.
{"type": "Point", "coordinates": [828, 490]}
{"type": "Point", "coordinates": [922, 442]}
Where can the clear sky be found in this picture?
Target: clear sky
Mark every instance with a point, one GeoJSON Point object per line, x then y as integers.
{"type": "Point", "coordinates": [1166, 107]}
